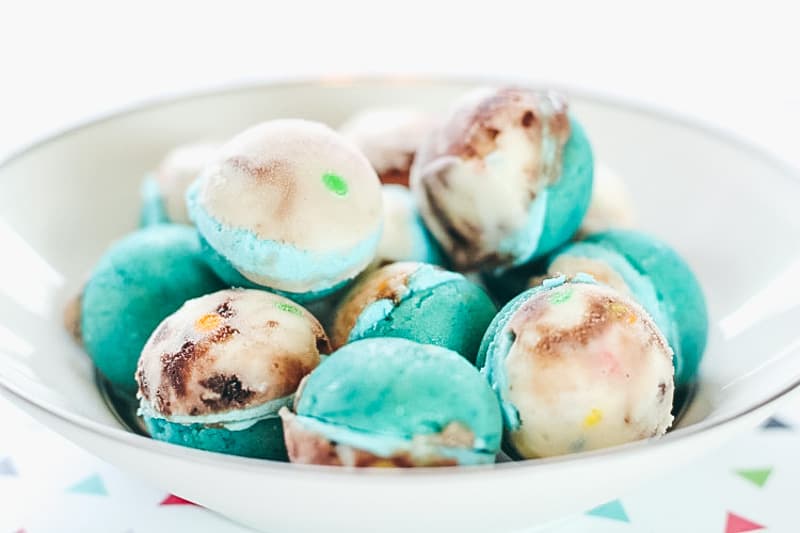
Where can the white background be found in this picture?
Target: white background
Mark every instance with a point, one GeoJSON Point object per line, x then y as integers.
{"type": "Point", "coordinates": [734, 64]}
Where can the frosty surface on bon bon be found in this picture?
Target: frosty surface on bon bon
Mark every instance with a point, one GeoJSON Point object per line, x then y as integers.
{"type": "Point", "coordinates": [214, 374]}
{"type": "Point", "coordinates": [505, 179]}
{"type": "Point", "coordinates": [577, 366]}
{"type": "Point", "coordinates": [291, 206]}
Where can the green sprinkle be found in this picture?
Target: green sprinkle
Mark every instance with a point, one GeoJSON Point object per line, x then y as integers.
{"type": "Point", "coordinates": [289, 308]}
{"type": "Point", "coordinates": [561, 296]}
{"type": "Point", "coordinates": [335, 183]}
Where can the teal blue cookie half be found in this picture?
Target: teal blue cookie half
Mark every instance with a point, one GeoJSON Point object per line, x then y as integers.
{"type": "Point", "coordinates": [394, 402]}
{"type": "Point", "coordinates": [138, 282]}
{"type": "Point", "coordinates": [263, 440]}
{"type": "Point", "coordinates": [418, 302]}
{"type": "Point", "coordinates": [153, 211]}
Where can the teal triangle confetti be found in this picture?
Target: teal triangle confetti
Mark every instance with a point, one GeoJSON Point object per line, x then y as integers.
{"type": "Point", "coordinates": [757, 477]}
{"type": "Point", "coordinates": [7, 468]}
{"type": "Point", "coordinates": [612, 510]}
{"type": "Point", "coordinates": [774, 423]}
{"type": "Point", "coordinates": [91, 485]}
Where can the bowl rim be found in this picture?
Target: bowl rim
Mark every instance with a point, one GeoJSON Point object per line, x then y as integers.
{"type": "Point", "coordinates": [125, 437]}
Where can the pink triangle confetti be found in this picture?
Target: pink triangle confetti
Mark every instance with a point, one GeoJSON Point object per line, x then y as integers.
{"type": "Point", "coordinates": [175, 500]}
{"type": "Point", "coordinates": [738, 524]}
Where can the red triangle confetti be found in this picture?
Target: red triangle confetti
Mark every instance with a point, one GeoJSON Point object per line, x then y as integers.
{"type": "Point", "coordinates": [175, 500]}
{"type": "Point", "coordinates": [738, 524]}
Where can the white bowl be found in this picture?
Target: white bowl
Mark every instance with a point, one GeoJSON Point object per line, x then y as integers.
{"type": "Point", "coordinates": [730, 209]}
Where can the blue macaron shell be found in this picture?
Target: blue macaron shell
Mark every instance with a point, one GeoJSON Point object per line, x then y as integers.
{"type": "Point", "coordinates": [138, 282]}
{"type": "Point", "coordinates": [263, 440]}
{"type": "Point", "coordinates": [569, 197]}
{"type": "Point", "coordinates": [440, 308]}
{"type": "Point", "coordinates": [232, 277]}
{"type": "Point", "coordinates": [558, 210]}
{"type": "Point", "coordinates": [400, 389]}
{"type": "Point", "coordinates": [152, 210]}
{"type": "Point", "coordinates": [243, 251]}
{"type": "Point", "coordinates": [678, 290]}
{"type": "Point", "coordinates": [425, 247]}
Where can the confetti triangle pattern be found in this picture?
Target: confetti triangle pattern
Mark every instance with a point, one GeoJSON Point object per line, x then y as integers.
{"type": "Point", "coordinates": [757, 477]}
{"type": "Point", "coordinates": [91, 485]}
{"type": "Point", "coordinates": [175, 500]}
{"type": "Point", "coordinates": [612, 510]}
{"type": "Point", "coordinates": [774, 423]}
{"type": "Point", "coordinates": [738, 524]}
{"type": "Point", "coordinates": [7, 468]}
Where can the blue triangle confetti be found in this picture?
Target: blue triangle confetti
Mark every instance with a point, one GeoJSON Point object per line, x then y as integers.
{"type": "Point", "coordinates": [774, 423]}
{"type": "Point", "coordinates": [91, 485]}
{"type": "Point", "coordinates": [7, 468]}
{"type": "Point", "coordinates": [612, 510]}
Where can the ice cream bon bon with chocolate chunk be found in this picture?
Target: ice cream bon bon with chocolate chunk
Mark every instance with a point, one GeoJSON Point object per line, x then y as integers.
{"type": "Point", "coordinates": [290, 206]}
{"type": "Point", "coordinates": [215, 373]}
{"type": "Point", "coordinates": [577, 366]}
{"type": "Point", "coordinates": [288, 216]}
{"type": "Point", "coordinates": [506, 178]}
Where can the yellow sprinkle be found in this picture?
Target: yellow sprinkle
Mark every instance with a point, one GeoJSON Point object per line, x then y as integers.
{"type": "Point", "coordinates": [632, 319]}
{"type": "Point", "coordinates": [618, 309]}
{"type": "Point", "coordinates": [208, 322]}
{"type": "Point", "coordinates": [593, 418]}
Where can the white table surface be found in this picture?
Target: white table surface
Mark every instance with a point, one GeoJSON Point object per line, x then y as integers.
{"type": "Point", "coordinates": [732, 67]}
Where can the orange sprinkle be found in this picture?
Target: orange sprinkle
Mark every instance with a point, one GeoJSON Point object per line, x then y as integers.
{"type": "Point", "coordinates": [208, 322]}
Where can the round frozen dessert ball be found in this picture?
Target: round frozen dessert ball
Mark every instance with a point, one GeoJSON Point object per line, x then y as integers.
{"type": "Point", "coordinates": [289, 205]}
{"type": "Point", "coordinates": [389, 137]}
{"type": "Point", "coordinates": [214, 374]}
{"type": "Point", "coordinates": [415, 301]}
{"type": "Point", "coordinates": [393, 402]}
{"type": "Point", "coordinates": [505, 179]}
{"type": "Point", "coordinates": [164, 191]}
{"type": "Point", "coordinates": [577, 366]}
{"type": "Point", "coordinates": [611, 206]}
{"type": "Point", "coordinates": [405, 237]}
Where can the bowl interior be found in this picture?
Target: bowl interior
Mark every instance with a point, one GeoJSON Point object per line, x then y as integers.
{"type": "Point", "coordinates": [730, 210]}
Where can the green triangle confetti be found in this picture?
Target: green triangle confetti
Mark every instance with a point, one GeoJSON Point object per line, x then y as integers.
{"type": "Point", "coordinates": [91, 485]}
{"type": "Point", "coordinates": [757, 477]}
{"type": "Point", "coordinates": [612, 510]}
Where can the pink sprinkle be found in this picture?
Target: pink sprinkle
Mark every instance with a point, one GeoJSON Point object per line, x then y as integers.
{"type": "Point", "coordinates": [609, 363]}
